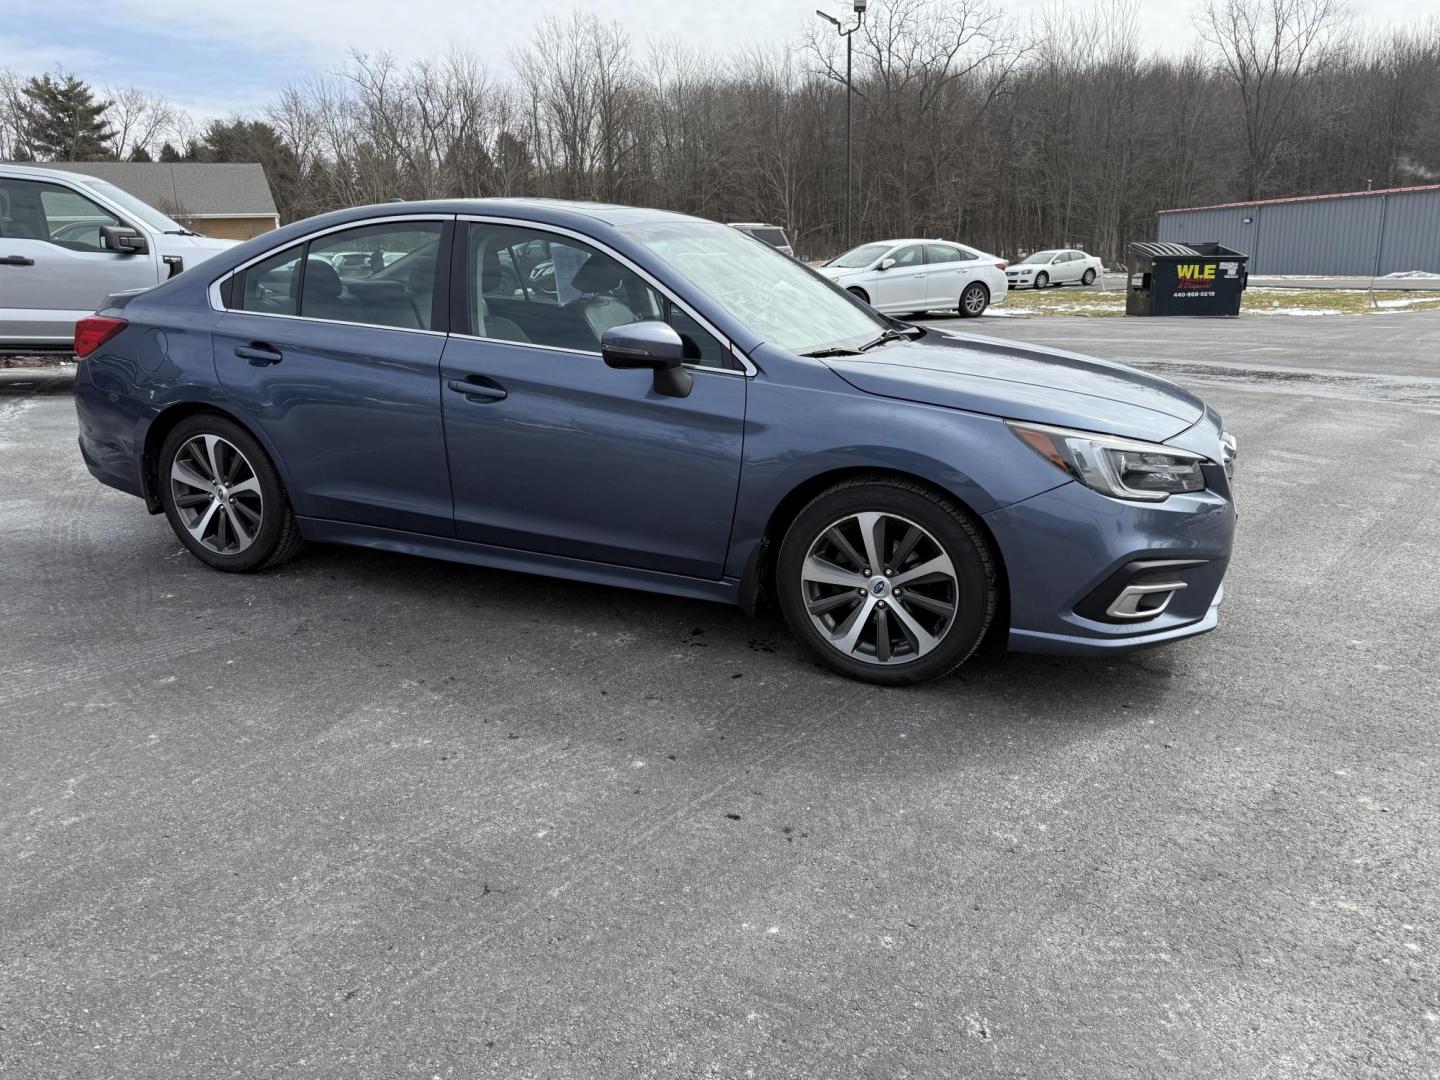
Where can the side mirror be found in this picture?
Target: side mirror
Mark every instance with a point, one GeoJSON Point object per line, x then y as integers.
{"type": "Point", "coordinates": [654, 345]}
{"type": "Point", "coordinates": [885, 264]}
{"type": "Point", "coordinates": [125, 240]}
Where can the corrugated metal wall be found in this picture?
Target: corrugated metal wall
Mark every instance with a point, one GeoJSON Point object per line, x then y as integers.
{"type": "Point", "coordinates": [1321, 236]}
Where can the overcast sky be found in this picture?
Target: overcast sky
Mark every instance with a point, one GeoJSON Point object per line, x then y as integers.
{"type": "Point", "coordinates": [220, 56]}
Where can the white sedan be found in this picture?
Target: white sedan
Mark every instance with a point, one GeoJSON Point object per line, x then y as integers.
{"type": "Point", "coordinates": [904, 276]}
{"type": "Point", "coordinates": [1064, 266]}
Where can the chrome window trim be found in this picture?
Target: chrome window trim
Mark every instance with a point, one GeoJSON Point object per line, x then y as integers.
{"type": "Point", "coordinates": [217, 304]}
{"type": "Point", "coordinates": [590, 354]}
{"type": "Point", "coordinates": [748, 369]}
{"type": "Point", "coordinates": [335, 322]}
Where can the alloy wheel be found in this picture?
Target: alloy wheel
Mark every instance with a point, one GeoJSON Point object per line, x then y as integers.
{"type": "Point", "coordinates": [216, 494]}
{"type": "Point", "coordinates": [974, 300]}
{"type": "Point", "coordinates": [879, 588]}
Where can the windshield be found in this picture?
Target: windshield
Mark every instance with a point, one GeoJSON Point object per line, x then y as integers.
{"type": "Point", "coordinates": [133, 206]}
{"type": "Point", "coordinates": [863, 255]}
{"type": "Point", "coordinates": [1040, 257]}
{"type": "Point", "coordinates": [781, 301]}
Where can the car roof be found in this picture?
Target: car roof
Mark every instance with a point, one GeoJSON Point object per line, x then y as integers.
{"type": "Point", "coordinates": [918, 240]}
{"type": "Point", "coordinates": [754, 225]}
{"type": "Point", "coordinates": [608, 213]}
{"type": "Point", "coordinates": [581, 216]}
{"type": "Point", "coordinates": [40, 172]}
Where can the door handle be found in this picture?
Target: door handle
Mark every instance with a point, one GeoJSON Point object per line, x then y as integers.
{"type": "Point", "coordinates": [16, 260]}
{"type": "Point", "coordinates": [479, 388]}
{"type": "Point", "coordinates": [259, 354]}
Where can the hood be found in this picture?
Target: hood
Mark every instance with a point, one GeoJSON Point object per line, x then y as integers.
{"type": "Point", "coordinates": [1023, 382]}
{"type": "Point", "coordinates": [194, 249]}
{"type": "Point", "coordinates": [836, 272]}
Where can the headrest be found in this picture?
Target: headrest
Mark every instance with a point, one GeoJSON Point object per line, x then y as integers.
{"type": "Point", "coordinates": [321, 280]}
{"type": "Point", "coordinates": [599, 273]}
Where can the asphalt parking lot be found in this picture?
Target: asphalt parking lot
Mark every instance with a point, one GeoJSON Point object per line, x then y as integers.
{"type": "Point", "coordinates": [373, 816]}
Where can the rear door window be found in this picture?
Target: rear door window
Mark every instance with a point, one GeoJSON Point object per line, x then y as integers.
{"type": "Point", "coordinates": [381, 275]}
{"type": "Point", "coordinates": [377, 275]}
{"type": "Point", "coordinates": [946, 253]}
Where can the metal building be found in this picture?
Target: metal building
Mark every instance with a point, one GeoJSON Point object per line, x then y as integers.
{"type": "Point", "coordinates": [1356, 233]}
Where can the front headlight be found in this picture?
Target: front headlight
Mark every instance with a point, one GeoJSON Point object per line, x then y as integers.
{"type": "Point", "coordinates": [1120, 468]}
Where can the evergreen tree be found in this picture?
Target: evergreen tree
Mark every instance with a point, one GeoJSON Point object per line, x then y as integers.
{"type": "Point", "coordinates": [169, 153]}
{"type": "Point", "coordinates": [140, 154]}
{"type": "Point", "coordinates": [63, 120]}
{"type": "Point", "coordinates": [239, 140]}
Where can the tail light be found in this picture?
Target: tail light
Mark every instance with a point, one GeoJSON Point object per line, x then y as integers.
{"type": "Point", "coordinates": [1001, 265]}
{"type": "Point", "coordinates": [94, 331]}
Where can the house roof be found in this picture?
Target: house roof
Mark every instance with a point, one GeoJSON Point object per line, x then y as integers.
{"type": "Point", "coordinates": [189, 188]}
{"type": "Point", "coordinates": [1307, 198]}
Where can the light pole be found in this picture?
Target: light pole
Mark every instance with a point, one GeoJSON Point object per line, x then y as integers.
{"type": "Point", "coordinates": [860, 6]}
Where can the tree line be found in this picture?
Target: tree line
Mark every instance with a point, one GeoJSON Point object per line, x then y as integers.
{"type": "Point", "coordinates": [967, 125]}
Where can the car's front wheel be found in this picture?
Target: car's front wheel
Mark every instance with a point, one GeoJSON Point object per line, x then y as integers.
{"type": "Point", "coordinates": [223, 496]}
{"type": "Point", "coordinates": [859, 294]}
{"type": "Point", "coordinates": [1042, 279]}
{"type": "Point", "coordinates": [886, 581]}
{"type": "Point", "coordinates": [974, 300]}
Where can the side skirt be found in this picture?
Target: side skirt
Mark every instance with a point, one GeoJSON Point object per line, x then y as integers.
{"type": "Point", "coordinates": [724, 591]}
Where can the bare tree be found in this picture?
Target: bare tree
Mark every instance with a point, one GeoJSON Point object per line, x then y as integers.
{"type": "Point", "coordinates": [967, 125]}
{"type": "Point", "coordinates": [13, 143]}
{"type": "Point", "coordinates": [140, 121]}
{"type": "Point", "coordinates": [1273, 50]}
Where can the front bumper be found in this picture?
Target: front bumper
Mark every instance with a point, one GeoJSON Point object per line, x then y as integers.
{"type": "Point", "coordinates": [1069, 552]}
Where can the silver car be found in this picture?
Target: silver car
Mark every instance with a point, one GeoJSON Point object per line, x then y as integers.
{"type": "Point", "coordinates": [67, 241]}
{"type": "Point", "coordinates": [1063, 266]}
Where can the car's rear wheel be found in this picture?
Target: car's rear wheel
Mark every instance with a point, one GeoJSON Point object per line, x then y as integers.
{"type": "Point", "coordinates": [859, 294]}
{"type": "Point", "coordinates": [223, 496]}
{"type": "Point", "coordinates": [1042, 279]}
{"type": "Point", "coordinates": [974, 300]}
{"type": "Point", "coordinates": [1089, 277]}
{"type": "Point", "coordinates": [886, 581]}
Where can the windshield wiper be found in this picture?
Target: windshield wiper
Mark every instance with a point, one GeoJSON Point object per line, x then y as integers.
{"type": "Point", "coordinates": [180, 232]}
{"type": "Point", "coordinates": [820, 353]}
{"type": "Point", "coordinates": [889, 335]}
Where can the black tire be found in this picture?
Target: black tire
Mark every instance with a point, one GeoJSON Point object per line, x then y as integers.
{"type": "Point", "coordinates": [1042, 280]}
{"type": "Point", "coordinates": [276, 539]}
{"type": "Point", "coordinates": [974, 300]}
{"type": "Point", "coordinates": [1089, 277]}
{"type": "Point", "coordinates": [859, 294]}
{"type": "Point", "coordinates": [950, 528]}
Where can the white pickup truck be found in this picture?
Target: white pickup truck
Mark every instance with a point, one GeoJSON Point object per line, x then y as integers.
{"type": "Point", "coordinates": [67, 241]}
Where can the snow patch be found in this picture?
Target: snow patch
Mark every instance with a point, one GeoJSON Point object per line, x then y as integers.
{"type": "Point", "coordinates": [1291, 311]}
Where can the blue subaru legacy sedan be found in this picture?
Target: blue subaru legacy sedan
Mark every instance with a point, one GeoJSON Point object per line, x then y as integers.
{"type": "Point", "coordinates": [644, 399]}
